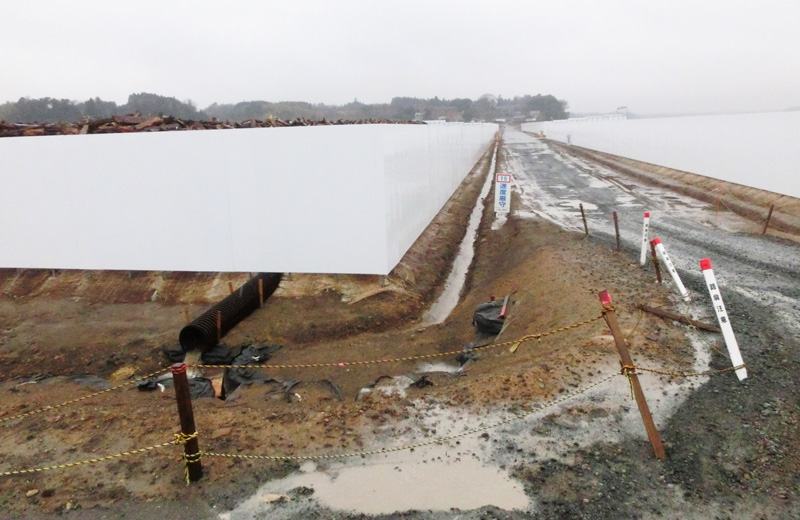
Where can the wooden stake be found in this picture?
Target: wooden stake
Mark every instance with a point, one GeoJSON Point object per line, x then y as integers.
{"type": "Point", "coordinates": [186, 315]}
{"type": "Point", "coordinates": [260, 292]}
{"type": "Point", "coordinates": [677, 317]}
{"type": "Point", "coordinates": [230, 287]}
{"type": "Point", "coordinates": [219, 326]}
{"type": "Point", "coordinates": [504, 309]}
{"type": "Point", "coordinates": [191, 449]}
{"type": "Point", "coordinates": [627, 362]}
{"type": "Point", "coordinates": [616, 229]}
{"type": "Point", "coordinates": [655, 260]}
{"type": "Point", "coordinates": [583, 216]}
{"type": "Point", "coordinates": [766, 224]}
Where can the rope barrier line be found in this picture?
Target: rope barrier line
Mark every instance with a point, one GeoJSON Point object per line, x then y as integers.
{"type": "Point", "coordinates": [689, 374]}
{"type": "Point", "coordinates": [180, 438]}
{"type": "Point", "coordinates": [628, 371]}
{"type": "Point", "coordinates": [641, 313]}
{"type": "Point", "coordinates": [439, 440]}
{"type": "Point", "coordinates": [512, 343]}
{"type": "Point", "coordinates": [79, 399]}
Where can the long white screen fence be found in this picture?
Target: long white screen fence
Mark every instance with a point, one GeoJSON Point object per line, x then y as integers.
{"type": "Point", "coordinates": [321, 199]}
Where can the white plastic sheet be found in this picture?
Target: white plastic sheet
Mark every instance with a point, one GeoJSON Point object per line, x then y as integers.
{"type": "Point", "coordinates": [335, 199]}
{"type": "Point", "coordinates": [757, 150]}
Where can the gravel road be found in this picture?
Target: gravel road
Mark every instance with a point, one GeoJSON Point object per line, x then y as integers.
{"type": "Point", "coordinates": [731, 445]}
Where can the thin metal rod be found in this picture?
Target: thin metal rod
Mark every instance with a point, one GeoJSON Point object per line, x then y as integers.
{"type": "Point", "coordinates": [583, 216]}
{"type": "Point", "coordinates": [766, 224]}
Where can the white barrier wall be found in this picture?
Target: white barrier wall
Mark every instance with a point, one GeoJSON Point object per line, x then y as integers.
{"type": "Point", "coordinates": [758, 150]}
{"type": "Point", "coordinates": [322, 199]}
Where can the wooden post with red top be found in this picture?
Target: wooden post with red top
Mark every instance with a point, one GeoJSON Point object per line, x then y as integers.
{"type": "Point", "coordinates": [629, 371]}
{"type": "Point", "coordinates": [656, 263]}
{"type": "Point", "coordinates": [191, 450]}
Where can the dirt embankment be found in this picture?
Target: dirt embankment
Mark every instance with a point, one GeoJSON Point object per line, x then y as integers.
{"type": "Point", "coordinates": [751, 203]}
{"type": "Point", "coordinates": [95, 318]}
{"type": "Point", "coordinates": [67, 325]}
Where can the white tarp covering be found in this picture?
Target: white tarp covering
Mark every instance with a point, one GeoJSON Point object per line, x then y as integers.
{"type": "Point", "coordinates": [758, 150]}
{"type": "Point", "coordinates": [335, 199]}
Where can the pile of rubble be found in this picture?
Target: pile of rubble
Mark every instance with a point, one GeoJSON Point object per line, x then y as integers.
{"type": "Point", "coordinates": [139, 123]}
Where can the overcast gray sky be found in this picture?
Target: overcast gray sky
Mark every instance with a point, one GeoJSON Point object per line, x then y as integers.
{"type": "Point", "coordinates": [654, 57]}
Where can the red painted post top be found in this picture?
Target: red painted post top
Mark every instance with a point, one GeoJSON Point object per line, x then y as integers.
{"type": "Point", "coordinates": [646, 214]}
{"type": "Point", "coordinates": [605, 298]}
{"type": "Point", "coordinates": [705, 264]}
{"type": "Point", "coordinates": [656, 240]}
{"type": "Point", "coordinates": [177, 368]}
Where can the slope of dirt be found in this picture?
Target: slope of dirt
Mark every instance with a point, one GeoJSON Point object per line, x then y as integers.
{"type": "Point", "coordinates": [106, 325]}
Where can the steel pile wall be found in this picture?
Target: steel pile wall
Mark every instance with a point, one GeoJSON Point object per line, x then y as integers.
{"type": "Point", "coordinates": [322, 199]}
{"type": "Point", "coordinates": [757, 150]}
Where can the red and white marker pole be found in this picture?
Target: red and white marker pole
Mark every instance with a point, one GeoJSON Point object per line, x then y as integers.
{"type": "Point", "coordinates": [722, 317]}
{"type": "Point", "coordinates": [645, 241]}
{"type": "Point", "coordinates": [660, 251]}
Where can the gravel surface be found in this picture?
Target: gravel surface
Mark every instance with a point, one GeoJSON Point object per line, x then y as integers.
{"type": "Point", "coordinates": [731, 445]}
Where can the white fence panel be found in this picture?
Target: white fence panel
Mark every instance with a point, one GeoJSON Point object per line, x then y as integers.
{"type": "Point", "coordinates": [757, 150]}
{"type": "Point", "coordinates": [337, 199]}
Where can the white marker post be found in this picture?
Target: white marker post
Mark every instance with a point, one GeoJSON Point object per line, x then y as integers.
{"type": "Point", "coordinates": [502, 193]}
{"type": "Point", "coordinates": [645, 241]}
{"type": "Point", "coordinates": [722, 317]}
{"type": "Point", "coordinates": [661, 252]}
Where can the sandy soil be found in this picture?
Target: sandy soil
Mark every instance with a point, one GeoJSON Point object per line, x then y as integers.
{"type": "Point", "coordinates": [114, 326]}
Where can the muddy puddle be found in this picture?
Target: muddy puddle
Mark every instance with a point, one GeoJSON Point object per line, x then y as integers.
{"type": "Point", "coordinates": [474, 470]}
{"type": "Point", "coordinates": [438, 480]}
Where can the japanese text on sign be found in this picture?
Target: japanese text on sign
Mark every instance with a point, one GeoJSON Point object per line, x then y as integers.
{"type": "Point", "coordinates": [502, 193]}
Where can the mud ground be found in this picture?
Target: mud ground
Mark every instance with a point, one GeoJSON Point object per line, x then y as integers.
{"type": "Point", "coordinates": [730, 447]}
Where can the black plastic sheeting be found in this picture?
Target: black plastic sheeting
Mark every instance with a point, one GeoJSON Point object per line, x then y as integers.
{"type": "Point", "coordinates": [249, 355]}
{"type": "Point", "coordinates": [198, 386]}
{"type": "Point", "coordinates": [233, 377]}
{"type": "Point", "coordinates": [202, 331]}
{"type": "Point", "coordinates": [487, 318]}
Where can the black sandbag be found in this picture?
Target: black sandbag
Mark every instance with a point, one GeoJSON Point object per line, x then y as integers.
{"type": "Point", "coordinates": [487, 318]}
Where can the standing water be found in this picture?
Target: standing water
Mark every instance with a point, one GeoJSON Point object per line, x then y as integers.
{"type": "Point", "coordinates": [448, 300]}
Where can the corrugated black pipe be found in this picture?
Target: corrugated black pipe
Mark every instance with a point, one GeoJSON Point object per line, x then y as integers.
{"type": "Point", "coordinates": [202, 331]}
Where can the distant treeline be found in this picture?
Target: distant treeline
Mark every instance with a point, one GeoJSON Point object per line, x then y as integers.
{"type": "Point", "coordinates": [485, 108]}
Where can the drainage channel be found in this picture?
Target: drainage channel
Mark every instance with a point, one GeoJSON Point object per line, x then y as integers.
{"type": "Point", "coordinates": [451, 294]}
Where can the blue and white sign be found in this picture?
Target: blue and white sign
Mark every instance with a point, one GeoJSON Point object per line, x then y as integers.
{"type": "Point", "coordinates": [502, 193]}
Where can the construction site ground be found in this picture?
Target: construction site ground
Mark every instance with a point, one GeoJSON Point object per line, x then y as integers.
{"type": "Point", "coordinates": [729, 444]}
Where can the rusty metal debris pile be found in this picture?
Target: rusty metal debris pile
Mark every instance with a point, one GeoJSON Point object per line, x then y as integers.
{"type": "Point", "coordinates": [139, 123]}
